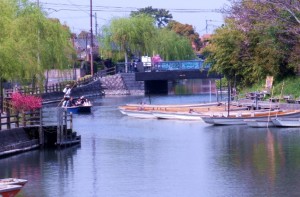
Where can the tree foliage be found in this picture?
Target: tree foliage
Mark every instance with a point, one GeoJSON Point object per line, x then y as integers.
{"type": "Point", "coordinates": [187, 31]}
{"type": "Point", "coordinates": [128, 36]}
{"type": "Point", "coordinates": [30, 43]}
{"type": "Point", "coordinates": [161, 16]}
{"type": "Point", "coordinates": [138, 36]}
{"type": "Point", "coordinates": [259, 38]}
{"type": "Point", "coordinates": [172, 46]}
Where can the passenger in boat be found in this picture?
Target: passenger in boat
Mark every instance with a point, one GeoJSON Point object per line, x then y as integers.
{"type": "Point", "coordinates": [81, 100]}
{"type": "Point", "coordinates": [72, 102]}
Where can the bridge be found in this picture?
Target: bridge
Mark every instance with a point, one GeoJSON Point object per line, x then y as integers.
{"type": "Point", "coordinates": [156, 76]}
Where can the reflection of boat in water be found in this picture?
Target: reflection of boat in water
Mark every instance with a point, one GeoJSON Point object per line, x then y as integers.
{"type": "Point", "coordinates": [239, 119]}
{"type": "Point", "coordinates": [286, 122]}
{"type": "Point", "coordinates": [259, 123]}
{"type": "Point", "coordinates": [9, 190]}
{"type": "Point", "coordinates": [9, 187]}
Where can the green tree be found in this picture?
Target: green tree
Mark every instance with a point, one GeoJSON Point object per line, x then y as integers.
{"type": "Point", "coordinates": [128, 36]}
{"type": "Point", "coordinates": [171, 46]}
{"type": "Point", "coordinates": [187, 31]}
{"type": "Point", "coordinates": [258, 39]}
{"type": "Point", "coordinates": [161, 16]}
{"type": "Point", "coordinates": [224, 52]}
{"type": "Point", "coordinates": [138, 36]}
{"type": "Point", "coordinates": [30, 42]}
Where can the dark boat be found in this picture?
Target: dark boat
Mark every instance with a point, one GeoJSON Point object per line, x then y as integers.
{"type": "Point", "coordinates": [79, 109]}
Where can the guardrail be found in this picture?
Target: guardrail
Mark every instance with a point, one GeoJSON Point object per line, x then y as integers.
{"type": "Point", "coordinates": [13, 119]}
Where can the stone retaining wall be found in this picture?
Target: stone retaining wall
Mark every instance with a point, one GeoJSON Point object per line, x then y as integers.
{"type": "Point", "coordinates": [122, 84]}
{"type": "Point", "coordinates": [17, 140]}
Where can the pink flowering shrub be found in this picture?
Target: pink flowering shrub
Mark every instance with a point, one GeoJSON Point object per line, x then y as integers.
{"type": "Point", "coordinates": [25, 102]}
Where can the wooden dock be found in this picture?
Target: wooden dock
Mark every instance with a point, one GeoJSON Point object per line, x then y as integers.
{"type": "Point", "coordinates": [41, 128]}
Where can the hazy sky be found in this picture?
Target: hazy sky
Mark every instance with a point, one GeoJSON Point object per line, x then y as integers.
{"type": "Point", "coordinates": [76, 13]}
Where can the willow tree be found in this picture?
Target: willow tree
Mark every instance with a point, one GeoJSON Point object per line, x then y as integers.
{"type": "Point", "coordinates": [30, 42]}
{"type": "Point", "coordinates": [7, 43]}
{"type": "Point", "coordinates": [139, 36]}
{"type": "Point", "coordinates": [128, 36]}
{"type": "Point", "coordinates": [171, 46]}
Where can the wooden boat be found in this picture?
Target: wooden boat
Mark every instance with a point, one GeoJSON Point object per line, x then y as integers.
{"type": "Point", "coordinates": [138, 114]}
{"type": "Point", "coordinates": [178, 115]}
{"type": "Point", "coordinates": [13, 181]}
{"type": "Point", "coordinates": [286, 122]}
{"type": "Point", "coordinates": [239, 118]}
{"type": "Point", "coordinates": [7, 190]}
{"type": "Point", "coordinates": [173, 108]}
{"type": "Point", "coordinates": [259, 123]}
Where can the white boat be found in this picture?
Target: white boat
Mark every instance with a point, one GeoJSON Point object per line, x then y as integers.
{"type": "Point", "coordinates": [178, 115]}
{"type": "Point", "coordinates": [9, 187]}
{"type": "Point", "coordinates": [239, 119]}
{"type": "Point", "coordinates": [173, 105]}
{"type": "Point", "coordinates": [286, 122]}
{"type": "Point", "coordinates": [259, 123]}
{"type": "Point", "coordinates": [13, 181]}
{"type": "Point", "coordinates": [224, 121]}
{"type": "Point", "coordinates": [138, 114]}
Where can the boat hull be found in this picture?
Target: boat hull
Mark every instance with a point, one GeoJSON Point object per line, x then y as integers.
{"type": "Point", "coordinates": [286, 122]}
{"type": "Point", "coordinates": [177, 116]}
{"type": "Point", "coordinates": [259, 123]}
{"type": "Point", "coordinates": [79, 109]}
{"type": "Point", "coordinates": [13, 181]}
{"type": "Point", "coordinates": [258, 116]}
{"type": "Point", "coordinates": [138, 114]}
{"type": "Point", "coordinates": [9, 190]}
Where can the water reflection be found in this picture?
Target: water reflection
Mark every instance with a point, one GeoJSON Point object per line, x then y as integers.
{"type": "Point", "coordinates": [128, 157]}
{"type": "Point", "coordinates": [35, 167]}
{"type": "Point", "coordinates": [265, 158]}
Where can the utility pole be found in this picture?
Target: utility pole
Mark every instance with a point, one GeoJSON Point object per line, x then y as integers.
{"type": "Point", "coordinates": [96, 25]}
{"type": "Point", "coordinates": [91, 22]}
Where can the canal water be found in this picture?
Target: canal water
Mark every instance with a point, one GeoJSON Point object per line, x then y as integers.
{"type": "Point", "coordinates": [125, 157]}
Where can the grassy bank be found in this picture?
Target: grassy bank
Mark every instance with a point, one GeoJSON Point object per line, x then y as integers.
{"type": "Point", "coordinates": [288, 86]}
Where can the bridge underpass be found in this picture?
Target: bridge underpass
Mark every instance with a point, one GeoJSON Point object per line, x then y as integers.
{"type": "Point", "coordinates": [158, 77]}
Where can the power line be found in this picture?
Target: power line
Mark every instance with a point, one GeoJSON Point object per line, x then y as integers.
{"type": "Point", "coordinates": [85, 8]}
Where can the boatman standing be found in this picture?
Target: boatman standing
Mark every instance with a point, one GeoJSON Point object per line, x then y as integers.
{"type": "Point", "coordinates": [67, 91]}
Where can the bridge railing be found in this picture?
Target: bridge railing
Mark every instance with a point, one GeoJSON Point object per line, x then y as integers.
{"type": "Point", "coordinates": [181, 65]}
{"type": "Point", "coordinates": [161, 66]}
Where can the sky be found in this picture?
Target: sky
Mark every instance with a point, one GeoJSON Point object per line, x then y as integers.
{"type": "Point", "coordinates": [202, 15]}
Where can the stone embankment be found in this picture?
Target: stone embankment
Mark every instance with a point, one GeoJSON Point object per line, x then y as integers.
{"type": "Point", "coordinates": [122, 84]}
{"type": "Point", "coordinates": [17, 140]}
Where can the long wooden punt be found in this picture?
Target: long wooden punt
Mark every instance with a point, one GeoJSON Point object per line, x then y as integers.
{"type": "Point", "coordinates": [209, 107]}
{"type": "Point", "coordinates": [241, 118]}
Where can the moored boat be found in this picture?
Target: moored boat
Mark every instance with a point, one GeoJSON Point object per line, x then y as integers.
{"type": "Point", "coordinates": [259, 123]}
{"type": "Point", "coordinates": [239, 118]}
{"type": "Point", "coordinates": [79, 109]}
{"type": "Point", "coordinates": [286, 122]}
{"type": "Point", "coordinates": [138, 114]}
{"type": "Point", "coordinates": [13, 181]}
{"type": "Point", "coordinates": [9, 190]}
{"type": "Point", "coordinates": [178, 115]}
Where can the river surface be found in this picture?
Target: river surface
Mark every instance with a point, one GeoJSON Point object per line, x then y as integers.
{"type": "Point", "coordinates": [121, 156]}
